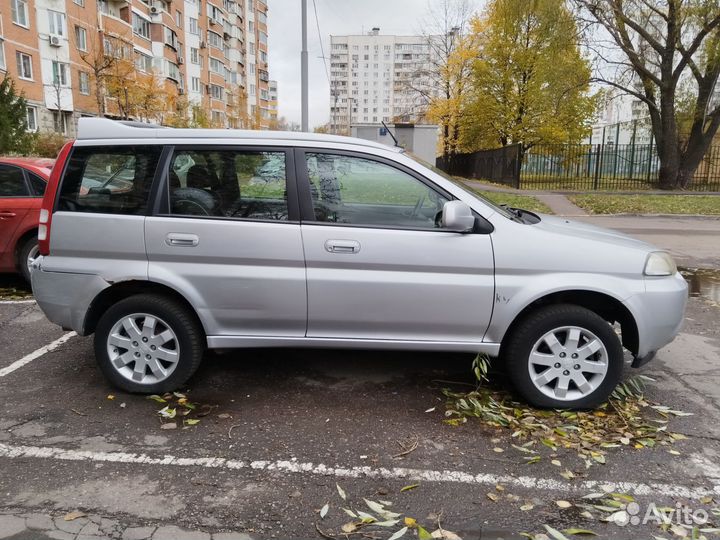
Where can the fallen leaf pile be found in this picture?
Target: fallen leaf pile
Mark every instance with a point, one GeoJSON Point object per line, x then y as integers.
{"type": "Point", "coordinates": [627, 419]}
{"type": "Point", "coordinates": [622, 510]}
{"type": "Point", "coordinates": [177, 407]}
{"type": "Point", "coordinates": [375, 519]}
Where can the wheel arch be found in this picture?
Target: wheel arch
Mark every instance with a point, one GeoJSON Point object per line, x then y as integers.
{"type": "Point", "coordinates": [24, 237]}
{"type": "Point", "coordinates": [124, 289]}
{"type": "Point", "coordinates": [605, 305]}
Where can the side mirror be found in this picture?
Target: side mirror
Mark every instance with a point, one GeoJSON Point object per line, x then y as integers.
{"type": "Point", "coordinates": [457, 216]}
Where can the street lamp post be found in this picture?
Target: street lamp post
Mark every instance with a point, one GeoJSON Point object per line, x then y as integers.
{"type": "Point", "coordinates": [304, 71]}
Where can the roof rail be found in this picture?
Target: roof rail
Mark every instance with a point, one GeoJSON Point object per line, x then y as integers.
{"type": "Point", "coordinates": [94, 128]}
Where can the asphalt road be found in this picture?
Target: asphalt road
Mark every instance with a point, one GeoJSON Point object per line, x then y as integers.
{"type": "Point", "coordinates": [284, 427]}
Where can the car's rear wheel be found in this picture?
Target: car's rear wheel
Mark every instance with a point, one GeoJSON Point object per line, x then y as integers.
{"type": "Point", "coordinates": [27, 254]}
{"type": "Point", "coordinates": [148, 344]}
{"type": "Point", "coordinates": [564, 356]}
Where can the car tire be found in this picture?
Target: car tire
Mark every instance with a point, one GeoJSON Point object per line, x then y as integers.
{"type": "Point", "coordinates": [564, 356]}
{"type": "Point", "coordinates": [28, 249]}
{"type": "Point", "coordinates": [148, 344]}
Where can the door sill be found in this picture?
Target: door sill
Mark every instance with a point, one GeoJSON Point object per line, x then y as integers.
{"type": "Point", "coordinates": [240, 342]}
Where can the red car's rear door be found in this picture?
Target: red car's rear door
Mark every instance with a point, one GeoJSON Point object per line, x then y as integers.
{"type": "Point", "coordinates": [15, 203]}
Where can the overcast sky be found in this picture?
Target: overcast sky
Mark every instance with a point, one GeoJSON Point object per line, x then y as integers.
{"type": "Point", "coordinates": [337, 17]}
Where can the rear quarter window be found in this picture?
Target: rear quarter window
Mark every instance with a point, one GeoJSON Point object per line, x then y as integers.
{"type": "Point", "coordinates": [109, 180]}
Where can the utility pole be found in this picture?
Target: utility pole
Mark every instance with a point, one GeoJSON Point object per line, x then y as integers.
{"type": "Point", "coordinates": [304, 71]}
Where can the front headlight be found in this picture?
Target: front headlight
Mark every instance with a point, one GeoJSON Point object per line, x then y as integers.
{"type": "Point", "coordinates": [660, 263]}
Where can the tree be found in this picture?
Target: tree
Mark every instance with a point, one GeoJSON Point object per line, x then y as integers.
{"type": "Point", "coordinates": [440, 85]}
{"type": "Point", "coordinates": [668, 57]}
{"type": "Point", "coordinates": [530, 82]}
{"type": "Point", "coordinates": [100, 63]}
{"type": "Point", "coordinates": [14, 137]}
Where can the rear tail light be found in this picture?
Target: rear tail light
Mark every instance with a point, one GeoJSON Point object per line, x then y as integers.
{"type": "Point", "coordinates": [48, 203]}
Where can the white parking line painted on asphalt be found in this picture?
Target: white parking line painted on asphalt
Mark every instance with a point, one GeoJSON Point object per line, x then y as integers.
{"type": "Point", "coordinates": [36, 354]}
{"type": "Point", "coordinates": [394, 473]}
{"type": "Point", "coordinates": [18, 301]}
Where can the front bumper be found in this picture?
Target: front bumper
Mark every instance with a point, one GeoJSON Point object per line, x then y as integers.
{"type": "Point", "coordinates": [659, 313]}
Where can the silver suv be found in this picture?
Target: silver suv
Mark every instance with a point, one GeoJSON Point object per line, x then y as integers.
{"type": "Point", "coordinates": [165, 242]}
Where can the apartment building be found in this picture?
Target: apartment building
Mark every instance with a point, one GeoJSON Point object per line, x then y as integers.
{"type": "Point", "coordinates": [273, 103]}
{"type": "Point", "coordinates": [375, 78]}
{"type": "Point", "coordinates": [73, 58]}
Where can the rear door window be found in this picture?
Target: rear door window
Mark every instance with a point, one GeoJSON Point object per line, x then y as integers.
{"type": "Point", "coordinates": [12, 182]}
{"type": "Point", "coordinates": [109, 180]}
{"type": "Point", "coordinates": [241, 184]}
{"type": "Point", "coordinates": [37, 184]}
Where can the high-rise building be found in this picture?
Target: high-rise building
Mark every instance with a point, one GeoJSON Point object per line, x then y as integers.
{"type": "Point", "coordinates": [73, 58]}
{"type": "Point", "coordinates": [375, 78]}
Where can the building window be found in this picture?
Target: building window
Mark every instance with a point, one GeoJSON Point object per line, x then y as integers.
{"type": "Point", "coordinates": [216, 91]}
{"type": "Point", "coordinates": [263, 37]}
{"type": "Point", "coordinates": [57, 22]}
{"type": "Point", "coordinates": [79, 2]}
{"type": "Point", "coordinates": [251, 48]}
{"type": "Point", "coordinates": [60, 122]}
{"type": "Point", "coordinates": [178, 18]}
{"type": "Point", "coordinates": [3, 65]}
{"type": "Point", "coordinates": [195, 84]}
{"type": "Point", "coordinates": [215, 40]}
{"type": "Point", "coordinates": [81, 38]}
{"type": "Point", "coordinates": [24, 66]}
{"type": "Point", "coordinates": [19, 12]}
{"type": "Point", "coordinates": [141, 27]}
{"type": "Point", "coordinates": [216, 66]}
{"type": "Point", "coordinates": [251, 26]}
{"type": "Point", "coordinates": [194, 55]}
{"type": "Point", "coordinates": [60, 74]}
{"type": "Point", "coordinates": [173, 71]}
{"type": "Point", "coordinates": [144, 63]}
{"type": "Point", "coordinates": [253, 90]}
{"type": "Point", "coordinates": [252, 69]}
{"type": "Point", "coordinates": [84, 82]}
{"type": "Point", "coordinates": [31, 118]}
{"type": "Point", "coordinates": [194, 26]}
{"type": "Point", "coordinates": [171, 38]}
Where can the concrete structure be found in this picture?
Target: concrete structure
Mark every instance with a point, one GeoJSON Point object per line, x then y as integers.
{"type": "Point", "coordinates": [376, 78]}
{"type": "Point", "coordinates": [420, 139]}
{"type": "Point", "coordinates": [212, 54]}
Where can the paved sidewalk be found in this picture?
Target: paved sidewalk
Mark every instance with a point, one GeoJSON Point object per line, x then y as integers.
{"type": "Point", "coordinates": [39, 526]}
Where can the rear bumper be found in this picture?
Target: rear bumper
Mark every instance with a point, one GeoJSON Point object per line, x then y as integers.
{"type": "Point", "coordinates": [65, 297]}
{"type": "Point", "coordinates": [659, 313]}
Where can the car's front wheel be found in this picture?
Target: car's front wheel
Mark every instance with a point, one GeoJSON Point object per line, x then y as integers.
{"type": "Point", "coordinates": [564, 356]}
{"type": "Point", "coordinates": [148, 344]}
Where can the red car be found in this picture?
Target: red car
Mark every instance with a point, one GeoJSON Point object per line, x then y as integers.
{"type": "Point", "coordinates": [22, 186]}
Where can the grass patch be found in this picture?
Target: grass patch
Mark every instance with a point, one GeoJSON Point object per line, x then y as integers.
{"type": "Point", "coordinates": [648, 204]}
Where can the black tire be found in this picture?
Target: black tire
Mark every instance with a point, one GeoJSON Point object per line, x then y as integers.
{"type": "Point", "coordinates": [519, 344]}
{"type": "Point", "coordinates": [190, 338]}
{"type": "Point", "coordinates": [23, 254]}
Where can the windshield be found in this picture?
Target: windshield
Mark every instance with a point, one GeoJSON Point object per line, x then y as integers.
{"type": "Point", "coordinates": [459, 183]}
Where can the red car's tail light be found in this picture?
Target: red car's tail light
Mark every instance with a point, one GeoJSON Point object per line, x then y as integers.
{"type": "Point", "coordinates": [48, 203]}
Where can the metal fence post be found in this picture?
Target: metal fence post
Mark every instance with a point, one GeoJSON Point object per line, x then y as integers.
{"type": "Point", "coordinates": [598, 158]}
{"type": "Point", "coordinates": [518, 167]}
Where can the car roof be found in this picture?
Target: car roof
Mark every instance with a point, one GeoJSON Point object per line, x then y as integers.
{"type": "Point", "coordinates": [104, 128]}
{"type": "Point", "coordinates": [38, 165]}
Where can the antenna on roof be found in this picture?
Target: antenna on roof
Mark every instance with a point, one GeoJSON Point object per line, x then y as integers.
{"type": "Point", "coordinates": [390, 133]}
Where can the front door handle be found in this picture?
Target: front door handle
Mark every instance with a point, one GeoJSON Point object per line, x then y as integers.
{"type": "Point", "coordinates": [182, 240]}
{"type": "Point", "coordinates": [6, 214]}
{"type": "Point", "coordinates": [342, 246]}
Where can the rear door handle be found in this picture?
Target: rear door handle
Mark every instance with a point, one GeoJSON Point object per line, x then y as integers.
{"type": "Point", "coordinates": [182, 240]}
{"type": "Point", "coordinates": [342, 246]}
{"type": "Point", "coordinates": [6, 214]}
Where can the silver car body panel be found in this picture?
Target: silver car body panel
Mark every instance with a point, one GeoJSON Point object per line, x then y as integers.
{"type": "Point", "coordinates": [242, 277]}
{"type": "Point", "coordinates": [274, 284]}
{"type": "Point", "coordinates": [399, 284]}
